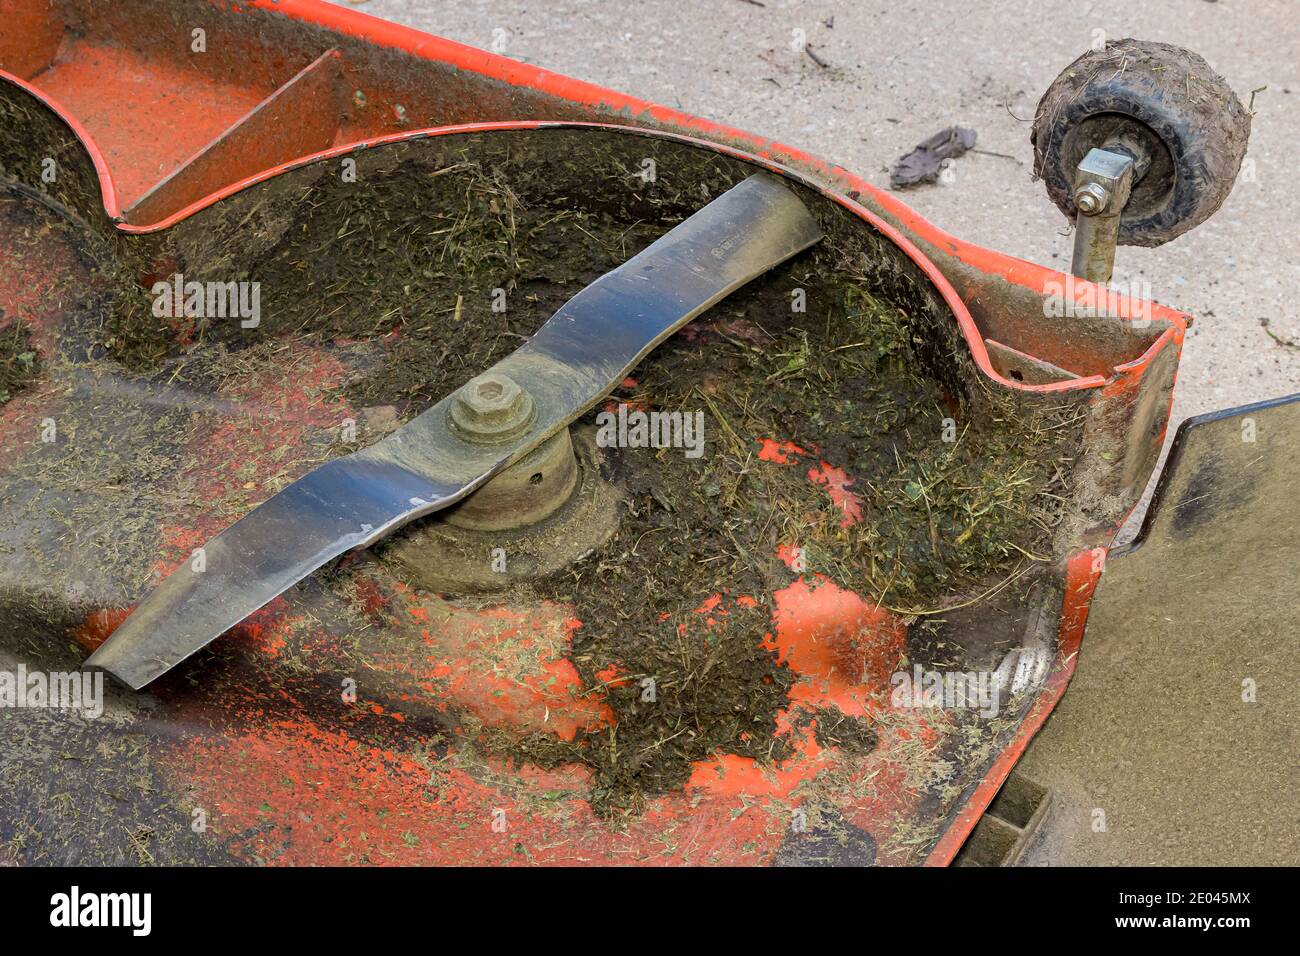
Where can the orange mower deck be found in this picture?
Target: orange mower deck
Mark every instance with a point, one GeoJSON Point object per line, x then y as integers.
{"type": "Point", "coordinates": [345, 722]}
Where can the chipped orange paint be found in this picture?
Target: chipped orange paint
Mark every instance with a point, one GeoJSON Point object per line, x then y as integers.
{"type": "Point", "coordinates": [510, 668]}
{"type": "Point", "coordinates": [614, 675]}
{"type": "Point", "coordinates": [835, 480]}
{"type": "Point", "coordinates": [843, 647]}
{"type": "Point", "coordinates": [779, 452]}
{"type": "Point", "coordinates": [716, 607]}
{"type": "Point", "coordinates": [99, 626]}
{"type": "Point", "coordinates": [291, 792]}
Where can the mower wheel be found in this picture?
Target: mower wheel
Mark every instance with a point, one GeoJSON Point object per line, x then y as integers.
{"type": "Point", "coordinates": [1185, 127]}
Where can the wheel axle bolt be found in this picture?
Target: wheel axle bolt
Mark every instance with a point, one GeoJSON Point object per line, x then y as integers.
{"type": "Point", "coordinates": [1091, 198]}
{"type": "Point", "coordinates": [491, 408]}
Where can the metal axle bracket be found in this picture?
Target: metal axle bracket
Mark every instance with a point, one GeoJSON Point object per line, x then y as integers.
{"type": "Point", "coordinates": [1102, 185]}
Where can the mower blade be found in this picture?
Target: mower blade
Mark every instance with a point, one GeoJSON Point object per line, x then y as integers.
{"type": "Point", "coordinates": [573, 361]}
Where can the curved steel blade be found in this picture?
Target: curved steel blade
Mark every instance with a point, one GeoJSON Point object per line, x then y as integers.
{"type": "Point", "coordinates": [571, 363]}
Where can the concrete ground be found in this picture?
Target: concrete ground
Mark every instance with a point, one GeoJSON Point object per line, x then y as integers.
{"type": "Point", "coordinates": [897, 72]}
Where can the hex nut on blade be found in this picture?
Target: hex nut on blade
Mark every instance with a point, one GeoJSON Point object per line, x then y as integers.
{"type": "Point", "coordinates": [491, 408]}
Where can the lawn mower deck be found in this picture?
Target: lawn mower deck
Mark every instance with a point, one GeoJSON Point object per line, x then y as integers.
{"type": "Point", "coordinates": [910, 467]}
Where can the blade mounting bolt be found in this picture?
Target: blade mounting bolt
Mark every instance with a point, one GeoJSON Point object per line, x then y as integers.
{"type": "Point", "coordinates": [491, 408]}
